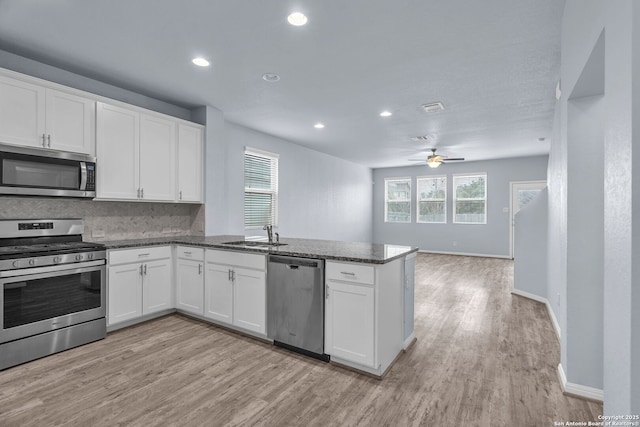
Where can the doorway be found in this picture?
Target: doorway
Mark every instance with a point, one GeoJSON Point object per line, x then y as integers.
{"type": "Point", "coordinates": [522, 192]}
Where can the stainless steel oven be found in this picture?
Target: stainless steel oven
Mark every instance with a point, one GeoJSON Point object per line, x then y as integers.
{"type": "Point", "coordinates": [52, 289]}
{"type": "Point", "coordinates": [39, 172]}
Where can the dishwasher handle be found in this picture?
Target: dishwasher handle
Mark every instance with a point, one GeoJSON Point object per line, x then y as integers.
{"type": "Point", "coordinates": [295, 263]}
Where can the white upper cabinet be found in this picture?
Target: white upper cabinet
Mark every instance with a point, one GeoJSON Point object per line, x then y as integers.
{"type": "Point", "coordinates": [35, 116]}
{"type": "Point", "coordinates": [146, 156]}
{"type": "Point", "coordinates": [118, 148]}
{"type": "Point", "coordinates": [69, 122]}
{"type": "Point", "coordinates": [189, 163]}
{"type": "Point", "coordinates": [22, 110]}
{"type": "Point", "coordinates": [157, 158]}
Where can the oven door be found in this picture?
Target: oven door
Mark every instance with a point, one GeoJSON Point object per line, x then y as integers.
{"type": "Point", "coordinates": [38, 300]}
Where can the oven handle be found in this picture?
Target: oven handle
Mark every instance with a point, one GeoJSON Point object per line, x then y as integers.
{"type": "Point", "coordinates": [83, 176]}
{"type": "Point", "coordinates": [50, 271]}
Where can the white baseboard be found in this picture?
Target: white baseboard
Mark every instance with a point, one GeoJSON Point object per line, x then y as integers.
{"type": "Point", "coordinates": [552, 315]}
{"type": "Point", "coordinates": [579, 390]}
{"type": "Point", "coordinates": [425, 251]}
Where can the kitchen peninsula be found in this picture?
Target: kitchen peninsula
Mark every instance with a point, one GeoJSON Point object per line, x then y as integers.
{"type": "Point", "coordinates": [368, 289]}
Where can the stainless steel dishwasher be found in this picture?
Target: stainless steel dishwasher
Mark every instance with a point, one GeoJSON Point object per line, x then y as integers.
{"type": "Point", "coordinates": [295, 304]}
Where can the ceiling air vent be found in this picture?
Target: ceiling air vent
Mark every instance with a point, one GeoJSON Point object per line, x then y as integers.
{"type": "Point", "coordinates": [433, 107]}
{"type": "Point", "coordinates": [421, 138]}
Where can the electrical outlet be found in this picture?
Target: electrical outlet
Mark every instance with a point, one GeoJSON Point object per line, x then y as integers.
{"type": "Point", "coordinates": [97, 233]}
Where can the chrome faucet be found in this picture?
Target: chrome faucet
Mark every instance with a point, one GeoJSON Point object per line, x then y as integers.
{"type": "Point", "coordinates": [269, 229]}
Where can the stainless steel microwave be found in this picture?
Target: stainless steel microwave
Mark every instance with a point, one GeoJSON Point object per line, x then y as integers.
{"type": "Point", "coordinates": [38, 172]}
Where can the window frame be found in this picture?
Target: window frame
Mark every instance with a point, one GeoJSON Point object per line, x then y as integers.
{"type": "Point", "coordinates": [456, 199]}
{"type": "Point", "coordinates": [273, 158]}
{"type": "Point", "coordinates": [386, 198]}
{"type": "Point", "coordinates": [443, 200]}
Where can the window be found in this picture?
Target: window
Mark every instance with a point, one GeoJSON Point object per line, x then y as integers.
{"type": "Point", "coordinates": [260, 188]}
{"type": "Point", "coordinates": [432, 199]}
{"type": "Point", "coordinates": [397, 200]}
{"type": "Point", "coordinates": [470, 199]}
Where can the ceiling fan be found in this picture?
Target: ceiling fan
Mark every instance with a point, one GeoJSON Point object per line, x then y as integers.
{"type": "Point", "coordinates": [434, 160]}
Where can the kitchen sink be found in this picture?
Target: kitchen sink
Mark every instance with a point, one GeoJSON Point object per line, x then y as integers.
{"type": "Point", "coordinates": [255, 243]}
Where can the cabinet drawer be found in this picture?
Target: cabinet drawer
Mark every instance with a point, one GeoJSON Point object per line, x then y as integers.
{"type": "Point", "coordinates": [139, 254]}
{"type": "Point", "coordinates": [240, 259]}
{"type": "Point", "coordinates": [348, 272]}
{"type": "Point", "coordinates": [187, 252]}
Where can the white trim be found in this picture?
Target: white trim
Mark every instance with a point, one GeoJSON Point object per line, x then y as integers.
{"type": "Point", "coordinates": [552, 315]}
{"type": "Point", "coordinates": [418, 199]}
{"type": "Point", "coordinates": [259, 152]}
{"type": "Point", "coordinates": [426, 251]}
{"type": "Point", "coordinates": [579, 390]}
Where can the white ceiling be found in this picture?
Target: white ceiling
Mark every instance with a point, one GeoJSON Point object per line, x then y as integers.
{"type": "Point", "coordinates": [494, 64]}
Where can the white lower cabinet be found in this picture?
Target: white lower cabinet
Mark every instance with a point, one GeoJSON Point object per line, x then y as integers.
{"type": "Point", "coordinates": [139, 283]}
{"type": "Point", "coordinates": [363, 314]}
{"type": "Point", "coordinates": [235, 289]}
{"type": "Point", "coordinates": [349, 322]}
{"type": "Point", "coordinates": [190, 280]}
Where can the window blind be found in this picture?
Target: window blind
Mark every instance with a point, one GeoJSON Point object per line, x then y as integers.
{"type": "Point", "coordinates": [260, 188]}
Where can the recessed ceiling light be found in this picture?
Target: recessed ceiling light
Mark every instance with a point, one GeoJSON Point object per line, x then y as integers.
{"type": "Point", "coordinates": [433, 107]}
{"type": "Point", "coordinates": [270, 77]}
{"type": "Point", "coordinates": [386, 113]}
{"type": "Point", "coordinates": [297, 19]}
{"type": "Point", "coordinates": [318, 126]}
{"type": "Point", "coordinates": [201, 62]}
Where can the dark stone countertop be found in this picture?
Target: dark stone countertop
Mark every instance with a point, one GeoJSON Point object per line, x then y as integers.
{"type": "Point", "coordinates": [372, 253]}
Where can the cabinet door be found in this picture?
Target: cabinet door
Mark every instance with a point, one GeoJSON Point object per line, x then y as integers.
{"type": "Point", "coordinates": [189, 164]}
{"type": "Point", "coordinates": [157, 289]}
{"type": "Point", "coordinates": [125, 293]}
{"type": "Point", "coordinates": [349, 322]}
{"type": "Point", "coordinates": [189, 286]}
{"type": "Point", "coordinates": [249, 300]}
{"type": "Point", "coordinates": [218, 293]}
{"type": "Point", "coordinates": [69, 122]}
{"type": "Point", "coordinates": [118, 140]}
{"type": "Point", "coordinates": [157, 158]}
{"type": "Point", "coordinates": [22, 113]}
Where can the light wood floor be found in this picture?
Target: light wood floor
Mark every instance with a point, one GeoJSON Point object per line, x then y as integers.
{"type": "Point", "coordinates": [483, 358]}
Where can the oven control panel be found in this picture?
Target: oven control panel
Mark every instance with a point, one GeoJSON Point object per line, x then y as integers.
{"type": "Point", "coordinates": [35, 226]}
{"type": "Point", "coordinates": [50, 260]}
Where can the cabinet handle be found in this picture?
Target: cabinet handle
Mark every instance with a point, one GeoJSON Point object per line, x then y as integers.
{"type": "Point", "coordinates": [138, 192]}
{"type": "Point", "coordinates": [141, 255]}
{"type": "Point", "coordinates": [180, 195]}
{"type": "Point", "coordinates": [326, 293]}
{"type": "Point", "coordinates": [347, 273]}
{"type": "Point", "coordinates": [141, 269]}
{"type": "Point", "coordinates": [44, 142]}
{"type": "Point", "coordinates": [145, 269]}
{"type": "Point", "coordinates": [229, 274]}
{"type": "Point", "coordinates": [199, 269]}
{"type": "Point", "coordinates": [142, 193]}
{"type": "Point", "coordinates": [49, 141]}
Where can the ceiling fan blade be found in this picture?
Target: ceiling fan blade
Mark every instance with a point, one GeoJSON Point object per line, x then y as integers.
{"type": "Point", "coordinates": [448, 159]}
{"type": "Point", "coordinates": [416, 160]}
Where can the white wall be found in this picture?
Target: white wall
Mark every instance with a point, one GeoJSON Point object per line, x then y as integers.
{"type": "Point", "coordinates": [530, 247]}
{"type": "Point", "coordinates": [320, 196]}
{"type": "Point", "coordinates": [594, 250]}
{"type": "Point", "coordinates": [481, 239]}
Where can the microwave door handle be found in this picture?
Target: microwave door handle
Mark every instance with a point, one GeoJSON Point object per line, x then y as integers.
{"type": "Point", "coordinates": [83, 176]}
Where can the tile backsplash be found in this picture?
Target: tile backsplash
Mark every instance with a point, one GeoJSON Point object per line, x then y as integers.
{"type": "Point", "coordinates": [111, 220]}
